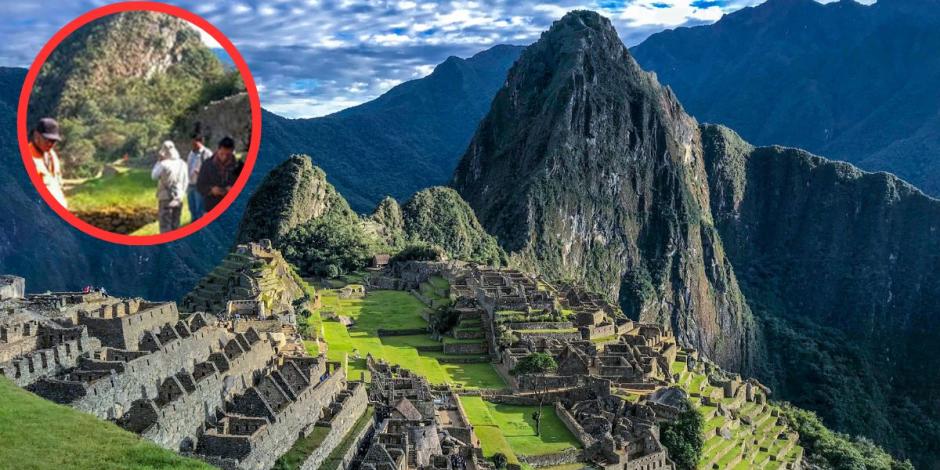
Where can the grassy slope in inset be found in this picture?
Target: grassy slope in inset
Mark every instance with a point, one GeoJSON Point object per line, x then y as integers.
{"type": "Point", "coordinates": [129, 188]}
{"type": "Point", "coordinates": [394, 310]}
{"type": "Point", "coordinates": [38, 434]}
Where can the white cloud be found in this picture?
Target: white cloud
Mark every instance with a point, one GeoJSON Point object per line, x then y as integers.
{"type": "Point", "coordinates": [345, 52]}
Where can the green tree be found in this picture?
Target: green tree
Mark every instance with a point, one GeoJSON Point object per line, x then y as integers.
{"type": "Point", "coordinates": [500, 461]}
{"type": "Point", "coordinates": [535, 363]}
{"type": "Point", "coordinates": [684, 437]}
{"type": "Point", "coordinates": [330, 246]}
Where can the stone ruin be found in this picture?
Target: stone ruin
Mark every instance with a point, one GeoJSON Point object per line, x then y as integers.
{"type": "Point", "coordinates": [616, 433]}
{"type": "Point", "coordinates": [189, 383]}
{"type": "Point", "coordinates": [254, 282]}
{"type": "Point", "coordinates": [260, 424]}
{"type": "Point", "coordinates": [602, 356]}
{"type": "Point", "coordinates": [419, 427]}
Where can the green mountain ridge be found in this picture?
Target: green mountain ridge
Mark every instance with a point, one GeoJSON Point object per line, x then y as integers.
{"type": "Point", "coordinates": [850, 81]}
{"type": "Point", "coordinates": [304, 216]}
{"type": "Point", "coordinates": [816, 276]}
{"type": "Point", "coordinates": [864, 329]}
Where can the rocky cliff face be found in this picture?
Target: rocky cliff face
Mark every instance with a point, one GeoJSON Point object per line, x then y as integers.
{"type": "Point", "coordinates": [843, 267]}
{"type": "Point", "coordinates": [292, 194]}
{"type": "Point", "coordinates": [586, 168]}
{"type": "Point", "coordinates": [227, 117]}
{"type": "Point", "coordinates": [118, 84]}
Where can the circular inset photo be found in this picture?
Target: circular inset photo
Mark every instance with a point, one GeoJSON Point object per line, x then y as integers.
{"type": "Point", "coordinates": [139, 123]}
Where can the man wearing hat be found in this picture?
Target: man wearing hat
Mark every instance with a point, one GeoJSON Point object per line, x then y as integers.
{"type": "Point", "coordinates": [42, 141]}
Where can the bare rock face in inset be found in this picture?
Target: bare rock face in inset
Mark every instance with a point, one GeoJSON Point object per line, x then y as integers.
{"type": "Point", "coordinates": [586, 168]}
{"type": "Point", "coordinates": [228, 117]}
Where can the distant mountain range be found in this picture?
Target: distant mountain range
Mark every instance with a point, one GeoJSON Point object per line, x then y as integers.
{"type": "Point", "coordinates": [820, 278]}
{"type": "Point", "coordinates": [406, 140]}
{"type": "Point", "coordinates": [849, 81]}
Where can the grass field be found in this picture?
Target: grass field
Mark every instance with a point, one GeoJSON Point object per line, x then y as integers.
{"type": "Point", "coordinates": [510, 429]}
{"type": "Point", "coordinates": [38, 434]}
{"type": "Point", "coordinates": [130, 188]}
{"type": "Point", "coordinates": [394, 310]}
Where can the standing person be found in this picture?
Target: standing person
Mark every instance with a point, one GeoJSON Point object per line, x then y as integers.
{"type": "Point", "coordinates": [42, 141]}
{"type": "Point", "coordinates": [172, 177]}
{"type": "Point", "coordinates": [198, 155]}
{"type": "Point", "coordinates": [218, 175]}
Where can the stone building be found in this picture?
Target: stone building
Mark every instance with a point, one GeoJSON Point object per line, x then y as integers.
{"type": "Point", "coordinates": [262, 423]}
{"type": "Point", "coordinates": [218, 390]}
{"type": "Point", "coordinates": [420, 428]}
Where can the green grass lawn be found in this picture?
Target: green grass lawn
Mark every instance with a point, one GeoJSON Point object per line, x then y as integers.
{"type": "Point", "coordinates": [129, 188]}
{"type": "Point", "coordinates": [394, 310]}
{"type": "Point", "coordinates": [38, 434]}
{"type": "Point", "coordinates": [508, 427]}
{"type": "Point", "coordinates": [436, 290]}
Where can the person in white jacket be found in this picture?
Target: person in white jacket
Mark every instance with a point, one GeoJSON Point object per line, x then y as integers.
{"type": "Point", "coordinates": [172, 176]}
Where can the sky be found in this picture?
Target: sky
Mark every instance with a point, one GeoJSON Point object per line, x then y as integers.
{"type": "Point", "coordinates": [315, 57]}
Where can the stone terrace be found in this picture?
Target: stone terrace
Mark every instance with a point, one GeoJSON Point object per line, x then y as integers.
{"type": "Point", "coordinates": [262, 423]}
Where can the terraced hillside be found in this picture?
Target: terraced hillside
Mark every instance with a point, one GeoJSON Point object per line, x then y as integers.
{"type": "Point", "coordinates": [393, 325]}
{"type": "Point", "coordinates": [251, 272]}
{"type": "Point", "coordinates": [739, 433]}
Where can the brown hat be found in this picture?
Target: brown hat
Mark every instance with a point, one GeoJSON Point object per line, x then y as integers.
{"type": "Point", "coordinates": [48, 128]}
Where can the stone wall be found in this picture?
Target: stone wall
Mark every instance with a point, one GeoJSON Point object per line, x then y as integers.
{"type": "Point", "coordinates": [654, 460]}
{"type": "Point", "coordinates": [462, 430]}
{"type": "Point", "coordinates": [346, 461]}
{"type": "Point", "coordinates": [340, 425]}
{"type": "Point", "coordinates": [125, 331]}
{"type": "Point", "coordinates": [545, 325]}
{"type": "Point", "coordinates": [465, 348]}
{"type": "Point", "coordinates": [18, 339]}
{"type": "Point", "coordinates": [110, 395]}
{"type": "Point", "coordinates": [572, 424]}
{"type": "Point", "coordinates": [602, 331]}
{"type": "Point", "coordinates": [559, 335]}
{"type": "Point", "coordinates": [566, 456]}
{"type": "Point", "coordinates": [26, 369]}
{"type": "Point", "coordinates": [542, 382]}
{"type": "Point", "coordinates": [230, 116]}
{"type": "Point", "coordinates": [181, 420]}
{"type": "Point", "coordinates": [261, 448]}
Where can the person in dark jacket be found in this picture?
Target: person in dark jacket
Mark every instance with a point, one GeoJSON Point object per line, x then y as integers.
{"type": "Point", "coordinates": [218, 174]}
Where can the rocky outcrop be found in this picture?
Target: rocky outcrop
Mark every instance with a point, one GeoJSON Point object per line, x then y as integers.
{"type": "Point", "coordinates": [844, 266]}
{"type": "Point", "coordinates": [439, 216]}
{"type": "Point", "coordinates": [227, 117]}
{"type": "Point", "coordinates": [293, 193]}
{"type": "Point", "coordinates": [587, 169]}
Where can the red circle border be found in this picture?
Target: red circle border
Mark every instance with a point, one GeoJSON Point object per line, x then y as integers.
{"type": "Point", "coordinates": [253, 147]}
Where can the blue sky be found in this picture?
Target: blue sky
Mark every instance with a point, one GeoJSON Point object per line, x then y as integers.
{"type": "Point", "coordinates": [314, 57]}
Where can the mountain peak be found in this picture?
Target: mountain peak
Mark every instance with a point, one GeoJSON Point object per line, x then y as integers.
{"type": "Point", "coordinates": [589, 170]}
